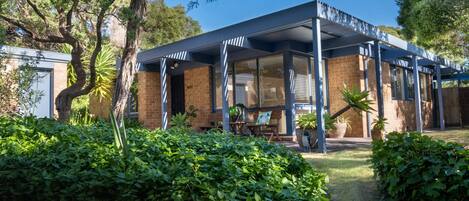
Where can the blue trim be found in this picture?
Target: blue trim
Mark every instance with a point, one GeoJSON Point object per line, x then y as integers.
{"type": "Point", "coordinates": [289, 82]}
{"type": "Point", "coordinates": [321, 130]}
{"type": "Point", "coordinates": [18, 53]}
{"type": "Point", "coordinates": [379, 78]}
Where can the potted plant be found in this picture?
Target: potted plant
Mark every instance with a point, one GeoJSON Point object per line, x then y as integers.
{"type": "Point", "coordinates": [307, 134]}
{"type": "Point", "coordinates": [377, 132]}
{"type": "Point", "coordinates": [237, 112]}
{"type": "Point", "coordinates": [341, 125]}
{"type": "Point", "coordinates": [307, 130]}
{"type": "Point", "coordinates": [356, 100]}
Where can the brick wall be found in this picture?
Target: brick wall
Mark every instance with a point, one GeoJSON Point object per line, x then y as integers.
{"type": "Point", "coordinates": [346, 70]}
{"type": "Point", "coordinates": [197, 93]}
{"type": "Point", "coordinates": [60, 81]}
{"type": "Point", "coordinates": [400, 113]}
{"type": "Point", "coordinates": [149, 99]}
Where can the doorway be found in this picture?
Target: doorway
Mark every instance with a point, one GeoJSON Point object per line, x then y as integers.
{"type": "Point", "coordinates": [177, 94]}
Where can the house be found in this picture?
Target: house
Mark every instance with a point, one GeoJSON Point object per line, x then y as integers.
{"type": "Point", "coordinates": [292, 61]}
{"type": "Point", "coordinates": [51, 69]}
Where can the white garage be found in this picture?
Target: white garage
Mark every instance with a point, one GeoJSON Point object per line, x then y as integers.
{"type": "Point", "coordinates": [50, 69]}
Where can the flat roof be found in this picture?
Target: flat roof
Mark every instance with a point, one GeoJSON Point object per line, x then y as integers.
{"type": "Point", "coordinates": [266, 33]}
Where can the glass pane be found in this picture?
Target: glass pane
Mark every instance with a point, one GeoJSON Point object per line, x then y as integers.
{"type": "Point", "coordinates": [324, 83]}
{"type": "Point", "coordinates": [410, 84]}
{"type": "Point", "coordinates": [272, 88]}
{"type": "Point", "coordinates": [423, 86]}
{"type": "Point", "coordinates": [300, 66]}
{"type": "Point", "coordinates": [218, 91]}
{"type": "Point", "coordinates": [246, 83]}
{"type": "Point", "coordinates": [400, 83]}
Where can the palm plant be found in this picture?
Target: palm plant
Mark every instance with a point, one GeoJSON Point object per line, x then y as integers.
{"type": "Point", "coordinates": [356, 100]}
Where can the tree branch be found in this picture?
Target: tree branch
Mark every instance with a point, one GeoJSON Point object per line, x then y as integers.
{"type": "Point", "coordinates": [97, 49]}
{"type": "Point", "coordinates": [48, 39]}
{"type": "Point", "coordinates": [38, 12]}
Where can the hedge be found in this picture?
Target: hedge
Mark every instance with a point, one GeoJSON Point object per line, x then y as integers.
{"type": "Point", "coordinates": [410, 166]}
{"type": "Point", "coordinates": [41, 159]}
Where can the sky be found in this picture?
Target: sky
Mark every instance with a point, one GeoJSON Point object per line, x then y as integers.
{"type": "Point", "coordinates": [221, 13]}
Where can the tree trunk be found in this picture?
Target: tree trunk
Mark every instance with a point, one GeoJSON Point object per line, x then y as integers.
{"type": "Point", "coordinates": [342, 111]}
{"type": "Point", "coordinates": [128, 67]}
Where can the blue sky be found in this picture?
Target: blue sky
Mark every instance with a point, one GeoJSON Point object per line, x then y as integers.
{"type": "Point", "coordinates": [226, 12]}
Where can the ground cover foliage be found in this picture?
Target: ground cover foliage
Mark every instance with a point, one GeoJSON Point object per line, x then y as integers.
{"type": "Point", "coordinates": [41, 159]}
{"type": "Point", "coordinates": [411, 166]}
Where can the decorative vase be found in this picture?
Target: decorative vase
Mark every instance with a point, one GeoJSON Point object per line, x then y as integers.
{"type": "Point", "coordinates": [339, 131]}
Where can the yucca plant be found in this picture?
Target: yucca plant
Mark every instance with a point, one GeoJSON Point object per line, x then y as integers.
{"type": "Point", "coordinates": [356, 100]}
{"type": "Point", "coordinates": [105, 71]}
{"type": "Point", "coordinates": [120, 136]}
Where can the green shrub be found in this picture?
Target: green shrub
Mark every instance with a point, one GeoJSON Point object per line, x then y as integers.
{"type": "Point", "coordinates": [45, 160]}
{"type": "Point", "coordinates": [410, 166]}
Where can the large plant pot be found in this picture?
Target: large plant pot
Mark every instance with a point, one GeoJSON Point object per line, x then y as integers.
{"type": "Point", "coordinates": [305, 137]}
{"type": "Point", "coordinates": [377, 135]}
{"type": "Point", "coordinates": [339, 131]}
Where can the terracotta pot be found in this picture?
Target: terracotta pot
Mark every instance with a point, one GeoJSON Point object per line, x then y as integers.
{"type": "Point", "coordinates": [377, 135]}
{"type": "Point", "coordinates": [339, 131]}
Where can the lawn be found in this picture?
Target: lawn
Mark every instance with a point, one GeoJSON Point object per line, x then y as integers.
{"type": "Point", "coordinates": [350, 175]}
{"type": "Point", "coordinates": [460, 136]}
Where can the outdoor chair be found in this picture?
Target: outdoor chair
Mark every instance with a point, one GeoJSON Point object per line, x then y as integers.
{"type": "Point", "coordinates": [267, 122]}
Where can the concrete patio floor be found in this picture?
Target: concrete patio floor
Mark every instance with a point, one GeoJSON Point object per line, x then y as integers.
{"type": "Point", "coordinates": [335, 144]}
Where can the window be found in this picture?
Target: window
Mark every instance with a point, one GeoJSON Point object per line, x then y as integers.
{"type": "Point", "coordinates": [271, 82]}
{"type": "Point", "coordinates": [300, 66]}
{"type": "Point", "coordinates": [217, 82]}
{"type": "Point", "coordinates": [397, 83]}
{"type": "Point", "coordinates": [246, 83]}
{"type": "Point", "coordinates": [425, 87]}
{"type": "Point", "coordinates": [410, 85]}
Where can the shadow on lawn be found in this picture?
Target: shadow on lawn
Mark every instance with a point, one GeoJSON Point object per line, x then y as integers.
{"type": "Point", "coordinates": [350, 175]}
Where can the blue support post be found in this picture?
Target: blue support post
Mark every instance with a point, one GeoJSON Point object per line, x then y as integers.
{"type": "Point", "coordinates": [164, 94]}
{"type": "Point", "coordinates": [317, 53]}
{"type": "Point", "coordinates": [365, 76]}
{"type": "Point", "coordinates": [417, 99]}
{"type": "Point", "coordinates": [224, 85]}
{"type": "Point", "coordinates": [290, 110]}
{"type": "Point", "coordinates": [440, 98]}
{"type": "Point", "coordinates": [379, 78]}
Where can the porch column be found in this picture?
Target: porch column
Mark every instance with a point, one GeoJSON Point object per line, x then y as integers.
{"type": "Point", "coordinates": [317, 53]}
{"type": "Point", "coordinates": [224, 85]}
{"type": "Point", "coordinates": [379, 78]}
{"type": "Point", "coordinates": [290, 110]}
{"type": "Point", "coordinates": [365, 76]}
{"type": "Point", "coordinates": [164, 94]}
{"type": "Point", "coordinates": [418, 102]}
{"type": "Point", "coordinates": [440, 97]}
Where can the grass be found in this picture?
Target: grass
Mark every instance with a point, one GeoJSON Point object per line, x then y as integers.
{"type": "Point", "coordinates": [350, 175]}
{"type": "Point", "coordinates": [460, 136]}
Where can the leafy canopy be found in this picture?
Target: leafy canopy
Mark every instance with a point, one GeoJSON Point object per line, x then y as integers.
{"type": "Point", "coordinates": [441, 25]}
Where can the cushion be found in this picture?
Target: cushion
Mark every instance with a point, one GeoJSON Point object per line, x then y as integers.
{"type": "Point", "coordinates": [264, 118]}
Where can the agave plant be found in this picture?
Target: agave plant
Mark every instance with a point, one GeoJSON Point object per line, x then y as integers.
{"type": "Point", "coordinates": [356, 100]}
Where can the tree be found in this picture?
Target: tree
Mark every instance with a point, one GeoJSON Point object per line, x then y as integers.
{"type": "Point", "coordinates": [62, 22]}
{"type": "Point", "coordinates": [441, 25]}
{"type": "Point", "coordinates": [135, 19]}
{"type": "Point", "coordinates": [395, 31]}
{"type": "Point", "coordinates": [165, 24]}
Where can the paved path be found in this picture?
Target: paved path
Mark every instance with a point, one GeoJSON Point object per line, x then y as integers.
{"type": "Point", "coordinates": [334, 144]}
